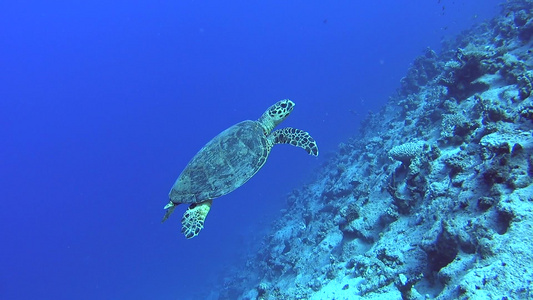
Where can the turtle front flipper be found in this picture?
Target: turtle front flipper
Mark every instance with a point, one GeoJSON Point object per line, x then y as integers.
{"type": "Point", "coordinates": [295, 137]}
{"type": "Point", "coordinates": [194, 217]}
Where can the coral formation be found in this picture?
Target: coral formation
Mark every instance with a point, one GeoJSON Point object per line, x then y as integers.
{"type": "Point", "coordinates": [407, 152]}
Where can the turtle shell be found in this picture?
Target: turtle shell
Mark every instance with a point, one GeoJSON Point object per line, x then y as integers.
{"type": "Point", "coordinates": [223, 164]}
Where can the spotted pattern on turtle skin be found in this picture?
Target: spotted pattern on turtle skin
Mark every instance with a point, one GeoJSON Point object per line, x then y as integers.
{"type": "Point", "coordinates": [193, 218]}
{"type": "Point", "coordinates": [296, 137]}
{"type": "Point", "coordinates": [281, 110]}
{"type": "Point", "coordinates": [275, 114]}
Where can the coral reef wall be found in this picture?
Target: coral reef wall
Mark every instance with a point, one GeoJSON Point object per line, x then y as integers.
{"type": "Point", "coordinates": [434, 197]}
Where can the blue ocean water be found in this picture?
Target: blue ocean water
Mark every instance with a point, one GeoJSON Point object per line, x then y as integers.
{"type": "Point", "coordinates": [103, 104]}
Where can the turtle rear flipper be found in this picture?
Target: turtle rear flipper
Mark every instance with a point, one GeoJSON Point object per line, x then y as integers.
{"type": "Point", "coordinates": [295, 137]}
{"type": "Point", "coordinates": [194, 217]}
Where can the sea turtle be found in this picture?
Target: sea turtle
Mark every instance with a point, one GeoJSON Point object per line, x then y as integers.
{"type": "Point", "coordinates": [229, 160]}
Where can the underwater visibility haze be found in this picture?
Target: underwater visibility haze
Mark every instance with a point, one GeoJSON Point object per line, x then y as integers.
{"type": "Point", "coordinates": [103, 104]}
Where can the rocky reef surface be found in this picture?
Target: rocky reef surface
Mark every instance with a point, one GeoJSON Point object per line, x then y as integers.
{"type": "Point", "coordinates": [432, 199]}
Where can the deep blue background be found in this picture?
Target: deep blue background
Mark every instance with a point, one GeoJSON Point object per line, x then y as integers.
{"type": "Point", "coordinates": [102, 104]}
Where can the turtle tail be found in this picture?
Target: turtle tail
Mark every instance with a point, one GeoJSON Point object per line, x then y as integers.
{"type": "Point", "coordinates": [295, 137]}
{"type": "Point", "coordinates": [170, 207]}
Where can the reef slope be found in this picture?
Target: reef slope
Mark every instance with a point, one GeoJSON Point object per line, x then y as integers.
{"type": "Point", "coordinates": [432, 199]}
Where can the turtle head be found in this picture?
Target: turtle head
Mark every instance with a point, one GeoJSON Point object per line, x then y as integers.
{"type": "Point", "coordinates": [276, 114]}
